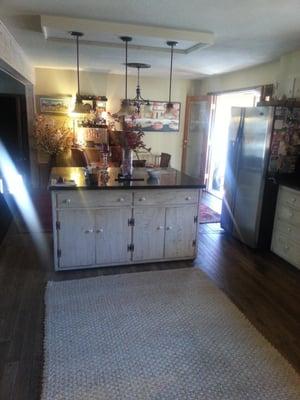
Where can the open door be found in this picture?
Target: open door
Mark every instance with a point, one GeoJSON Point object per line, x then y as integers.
{"type": "Point", "coordinates": [196, 132]}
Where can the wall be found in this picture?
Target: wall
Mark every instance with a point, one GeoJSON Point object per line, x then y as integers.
{"type": "Point", "coordinates": [250, 77]}
{"type": "Point", "coordinates": [13, 57]}
{"type": "Point", "coordinates": [281, 73]}
{"type": "Point", "coordinates": [52, 81]}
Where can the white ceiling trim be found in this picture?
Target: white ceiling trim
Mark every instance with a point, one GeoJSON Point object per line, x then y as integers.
{"type": "Point", "coordinates": [150, 38]}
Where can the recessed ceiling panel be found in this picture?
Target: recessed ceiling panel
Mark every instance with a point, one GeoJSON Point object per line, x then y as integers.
{"type": "Point", "coordinates": [108, 33]}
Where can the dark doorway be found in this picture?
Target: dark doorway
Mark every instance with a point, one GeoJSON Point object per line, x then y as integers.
{"type": "Point", "coordinates": [14, 138]}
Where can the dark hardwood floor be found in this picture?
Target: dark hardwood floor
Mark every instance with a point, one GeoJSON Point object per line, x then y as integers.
{"type": "Point", "coordinates": [264, 287]}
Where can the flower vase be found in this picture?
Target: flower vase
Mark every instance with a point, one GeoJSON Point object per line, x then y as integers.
{"type": "Point", "coordinates": [127, 158]}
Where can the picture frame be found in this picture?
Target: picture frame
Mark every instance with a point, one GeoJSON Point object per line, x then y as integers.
{"type": "Point", "coordinates": [53, 105]}
{"type": "Point", "coordinates": [156, 120]}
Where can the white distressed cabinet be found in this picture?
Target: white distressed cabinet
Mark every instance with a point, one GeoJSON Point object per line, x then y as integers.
{"type": "Point", "coordinates": [95, 228]}
{"type": "Point", "coordinates": [286, 232]}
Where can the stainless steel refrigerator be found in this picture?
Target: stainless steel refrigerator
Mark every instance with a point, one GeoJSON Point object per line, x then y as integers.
{"type": "Point", "coordinates": [246, 171]}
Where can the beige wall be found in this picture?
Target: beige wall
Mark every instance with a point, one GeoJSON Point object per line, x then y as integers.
{"type": "Point", "coordinates": [281, 73]}
{"type": "Point", "coordinates": [12, 56]}
{"type": "Point", "coordinates": [51, 81]}
{"type": "Point", "coordinates": [250, 77]}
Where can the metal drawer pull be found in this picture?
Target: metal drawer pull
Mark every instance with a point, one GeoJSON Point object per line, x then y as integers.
{"type": "Point", "coordinates": [293, 199]}
{"type": "Point", "coordinates": [67, 201]}
{"type": "Point", "coordinates": [159, 228]}
{"type": "Point", "coordinates": [142, 198]}
{"type": "Point", "coordinates": [99, 230]}
{"type": "Point", "coordinates": [121, 199]}
{"type": "Point", "coordinates": [169, 228]}
{"type": "Point", "coordinates": [89, 231]}
{"type": "Point", "coordinates": [188, 198]}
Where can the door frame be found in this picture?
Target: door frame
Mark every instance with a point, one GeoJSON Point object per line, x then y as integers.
{"type": "Point", "coordinates": [204, 151]}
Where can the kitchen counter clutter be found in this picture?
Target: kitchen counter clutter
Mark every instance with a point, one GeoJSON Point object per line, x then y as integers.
{"type": "Point", "coordinates": [139, 221]}
{"type": "Point", "coordinates": [167, 178]}
{"type": "Point", "coordinates": [286, 232]}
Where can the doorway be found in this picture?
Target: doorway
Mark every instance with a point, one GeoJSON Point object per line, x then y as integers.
{"type": "Point", "coordinates": [218, 137]}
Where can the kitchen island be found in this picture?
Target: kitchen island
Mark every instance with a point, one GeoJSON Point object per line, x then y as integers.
{"type": "Point", "coordinates": [123, 222]}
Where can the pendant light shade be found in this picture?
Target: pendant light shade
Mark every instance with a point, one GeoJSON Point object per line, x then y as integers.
{"type": "Point", "coordinates": [170, 105]}
{"type": "Point", "coordinates": [79, 108]}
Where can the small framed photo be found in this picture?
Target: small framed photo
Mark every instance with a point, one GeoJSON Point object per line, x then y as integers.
{"type": "Point", "coordinates": [56, 105]}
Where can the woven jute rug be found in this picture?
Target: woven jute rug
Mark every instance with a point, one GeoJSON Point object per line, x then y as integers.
{"type": "Point", "coordinates": [156, 335]}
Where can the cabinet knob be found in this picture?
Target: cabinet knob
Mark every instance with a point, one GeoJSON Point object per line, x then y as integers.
{"type": "Point", "coordinates": [99, 230]}
{"type": "Point", "coordinates": [159, 228]}
{"type": "Point", "coordinates": [289, 229]}
{"type": "Point", "coordinates": [89, 231]}
{"type": "Point", "coordinates": [169, 228]}
{"type": "Point", "coordinates": [293, 199]}
{"type": "Point", "coordinates": [121, 199]}
{"type": "Point", "coordinates": [142, 198]}
{"type": "Point", "coordinates": [188, 198]}
{"type": "Point", "coordinates": [286, 248]}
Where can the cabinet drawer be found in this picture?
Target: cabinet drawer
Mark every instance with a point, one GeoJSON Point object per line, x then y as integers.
{"type": "Point", "coordinates": [287, 249]}
{"type": "Point", "coordinates": [288, 214]}
{"type": "Point", "coordinates": [289, 197]}
{"type": "Point", "coordinates": [97, 198]}
{"type": "Point", "coordinates": [166, 197]}
{"type": "Point", "coordinates": [285, 228]}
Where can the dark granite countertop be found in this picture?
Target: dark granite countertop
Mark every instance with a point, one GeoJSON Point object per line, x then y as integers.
{"type": "Point", "coordinates": [169, 178]}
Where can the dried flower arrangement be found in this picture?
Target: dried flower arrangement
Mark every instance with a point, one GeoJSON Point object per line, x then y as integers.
{"type": "Point", "coordinates": [129, 137]}
{"type": "Point", "coordinates": [52, 137]}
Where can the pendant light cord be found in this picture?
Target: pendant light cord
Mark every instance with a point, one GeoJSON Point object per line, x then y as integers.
{"type": "Point", "coordinates": [77, 54]}
{"type": "Point", "coordinates": [126, 68]}
{"type": "Point", "coordinates": [171, 73]}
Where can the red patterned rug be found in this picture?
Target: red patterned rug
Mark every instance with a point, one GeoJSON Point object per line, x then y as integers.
{"type": "Point", "coordinates": [207, 215]}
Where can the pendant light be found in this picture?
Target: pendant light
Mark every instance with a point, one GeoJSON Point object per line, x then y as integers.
{"type": "Point", "coordinates": [125, 105]}
{"type": "Point", "coordinates": [79, 108]}
{"type": "Point", "coordinates": [170, 105]}
{"type": "Point", "coordinates": [138, 101]}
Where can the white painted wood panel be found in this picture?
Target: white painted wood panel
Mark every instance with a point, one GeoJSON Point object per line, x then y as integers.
{"type": "Point", "coordinates": [165, 197]}
{"type": "Point", "coordinates": [148, 233]}
{"type": "Point", "coordinates": [76, 239]}
{"type": "Point", "coordinates": [181, 231]}
{"type": "Point", "coordinates": [93, 199]}
{"type": "Point", "coordinates": [288, 214]}
{"type": "Point", "coordinates": [289, 197]}
{"type": "Point", "coordinates": [113, 235]}
{"type": "Point", "coordinates": [286, 248]}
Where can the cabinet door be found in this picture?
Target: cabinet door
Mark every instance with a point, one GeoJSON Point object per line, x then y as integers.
{"type": "Point", "coordinates": [148, 233]}
{"type": "Point", "coordinates": [76, 238]}
{"type": "Point", "coordinates": [181, 229]}
{"type": "Point", "coordinates": [113, 235]}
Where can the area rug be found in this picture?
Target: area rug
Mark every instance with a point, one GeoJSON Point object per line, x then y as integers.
{"type": "Point", "coordinates": [207, 215]}
{"type": "Point", "coordinates": [161, 335]}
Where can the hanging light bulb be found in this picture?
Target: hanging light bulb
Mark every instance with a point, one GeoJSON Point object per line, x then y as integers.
{"type": "Point", "coordinates": [79, 108]}
{"type": "Point", "coordinates": [170, 105]}
{"type": "Point", "coordinates": [125, 105]}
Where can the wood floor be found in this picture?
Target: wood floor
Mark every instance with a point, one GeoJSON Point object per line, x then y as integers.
{"type": "Point", "coordinates": [265, 288]}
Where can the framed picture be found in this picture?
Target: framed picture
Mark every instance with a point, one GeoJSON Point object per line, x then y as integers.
{"type": "Point", "coordinates": [156, 119]}
{"type": "Point", "coordinates": [57, 105]}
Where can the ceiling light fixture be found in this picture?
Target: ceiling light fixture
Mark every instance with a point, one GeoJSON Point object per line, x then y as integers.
{"type": "Point", "coordinates": [139, 101]}
{"type": "Point", "coordinates": [79, 108]}
{"type": "Point", "coordinates": [170, 105]}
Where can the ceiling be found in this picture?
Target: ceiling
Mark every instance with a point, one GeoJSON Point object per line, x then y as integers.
{"type": "Point", "coordinates": [245, 33]}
